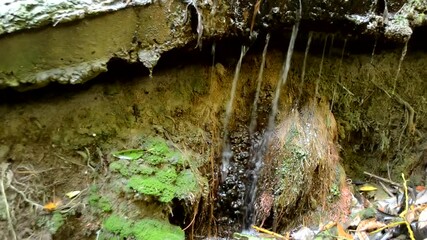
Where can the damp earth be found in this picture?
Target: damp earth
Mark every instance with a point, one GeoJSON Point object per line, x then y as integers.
{"type": "Point", "coordinates": [129, 156]}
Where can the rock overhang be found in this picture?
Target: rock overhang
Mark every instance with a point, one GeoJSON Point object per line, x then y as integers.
{"type": "Point", "coordinates": [70, 42]}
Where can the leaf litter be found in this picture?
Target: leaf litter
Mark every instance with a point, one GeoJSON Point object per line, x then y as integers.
{"type": "Point", "coordinates": [400, 213]}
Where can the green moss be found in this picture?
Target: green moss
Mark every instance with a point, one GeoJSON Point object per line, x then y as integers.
{"type": "Point", "coordinates": [167, 175]}
{"type": "Point", "coordinates": [157, 230]}
{"type": "Point", "coordinates": [118, 225]}
{"type": "Point", "coordinates": [99, 202]}
{"type": "Point", "coordinates": [142, 229]}
{"type": "Point", "coordinates": [186, 182]}
{"type": "Point", "coordinates": [56, 222]}
{"type": "Point", "coordinates": [157, 146]}
{"type": "Point", "coordinates": [159, 172]}
{"type": "Point", "coordinates": [120, 167]}
{"type": "Point", "coordinates": [152, 186]}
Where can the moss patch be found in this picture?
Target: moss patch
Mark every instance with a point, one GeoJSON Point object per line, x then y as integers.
{"type": "Point", "coordinates": [142, 229]}
{"type": "Point", "coordinates": [159, 172]}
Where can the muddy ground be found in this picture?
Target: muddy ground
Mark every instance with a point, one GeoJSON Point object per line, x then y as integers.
{"type": "Point", "coordinates": [60, 139]}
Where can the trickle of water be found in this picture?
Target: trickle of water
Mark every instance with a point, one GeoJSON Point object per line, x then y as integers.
{"type": "Point", "coordinates": [404, 50]}
{"type": "Point", "coordinates": [258, 89]}
{"type": "Point", "coordinates": [304, 64]}
{"type": "Point", "coordinates": [321, 66]}
{"type": "Point", "coordinates": [283, 79]}
{"type": "Point", "coordinates": [339, 73]}
{"type": "Point", "coordinates": [258, 151]}
{"type": "Point", "coordinates": [332, 45]}
{"type": "Point", "coordinates": [226, 152]}
{"type": "Point", "coordinates": [373, 50]}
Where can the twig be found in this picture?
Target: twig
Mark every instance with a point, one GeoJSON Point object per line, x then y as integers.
{"type": "Point", "coordinates": [383, 179]}
{"type": "Point", "coordinates": [263, 230]}
{"type": "Point", "coordinates": [403, 214]}
{"type": "Point", "coordinates": [68, 160]}
{"type": "Point", "coordinates": [25, 197]}
{"type": "Point", "coordinates": [6, 204]}
{"type": "Point", "coordinates": [386, 190]}
{"type": "Point", "coordinates": [192, 221]}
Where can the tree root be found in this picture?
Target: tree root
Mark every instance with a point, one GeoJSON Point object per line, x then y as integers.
{"type": "Point", "coordinates": [4, 179]}
{"type": "Point", "coordinates": [410, 126]}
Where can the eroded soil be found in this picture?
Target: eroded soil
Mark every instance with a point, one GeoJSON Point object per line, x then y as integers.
{"type": "Point", "coordinates": [60, 139]}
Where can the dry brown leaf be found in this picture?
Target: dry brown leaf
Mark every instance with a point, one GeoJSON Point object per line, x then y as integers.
{"type": "Point", "coordinates": [369, 224]}
{"type": "Point", "coordinates": [411, 215]}
{"type": "Point", "coordinates": [342, 233]}
{"type": "Point", "coordinates": [362, 235]}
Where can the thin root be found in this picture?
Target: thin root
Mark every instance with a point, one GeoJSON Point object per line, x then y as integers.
{"type": "Point", "coordinates": [4, 167]}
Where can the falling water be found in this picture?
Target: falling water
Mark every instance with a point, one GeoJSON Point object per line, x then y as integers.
{"type": "Point", "coordinates": [226, 152]}
{"type": "Point", "coordinates": [405, 48]}
{"type": "Point", "coordinates": [339, 73]}
{"type": "Point", "coordinates": [373, 50]}
{"type": "Point", "coordinates": [282, 80]}
{"type": "Point", "coordinates": [332, 45]}
{"type": "Point", "coordinates": [321, 67]}
{"type": "Point", "coordinates": [304, 64]}
{"type": "Point", "coordinates": [259, 81]}
{"type": "Point", "coordinates": [258, 151]}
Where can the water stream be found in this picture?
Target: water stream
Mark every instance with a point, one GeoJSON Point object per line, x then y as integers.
{"type": "Point", "coordinates": [226, 152]}
{"type": "Point", "coordinates": [282, 80]}
{"type": "Point", "coordinates": [304, 65]}
{"type": "Point", "coordinates": [321, 66]}
{"type": "Point", "coordinates": [253, 123]}
{"type": "Point", "coordinates": [259, 149]}
{"type": "Point", "coordinates": [373, 49]}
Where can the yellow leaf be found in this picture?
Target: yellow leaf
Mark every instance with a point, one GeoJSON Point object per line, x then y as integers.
{"type": "Point", "coordinates": [72, 194]}
{"type": "Point", "coordinates": [342, 233]}
{"type": "Point", "coordinates": [367, 188]}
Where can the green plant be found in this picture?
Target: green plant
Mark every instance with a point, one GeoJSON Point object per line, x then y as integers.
{"type": "Point", "coordinates": [99, 202]}
{"type": "Point", "coordinates": [142, 229]}
{"type": "Point", "coordinates": [55, 222]}
{"type": "Point", "coordinates": [158, 172]}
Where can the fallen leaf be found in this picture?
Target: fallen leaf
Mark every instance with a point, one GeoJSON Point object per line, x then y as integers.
{"type": "Point", "coordinates": [342, 233]}
{"type": "Point", "coordinates": [130, 154]}
{"type": "Point", "coordinates": [362, 235]}
{"type": "Point", "coordinates": [422, 219]}
{"type": "Point", "coordinates": [369, 225]}
{"type": "Point", "coordinates": [420, 188]}
{"type": "Point", "coordinates": [367, 188]}
{"type": "Point", "coordinates": [328, 226]}
{"type": "Point", "coordinates": [72, 194]}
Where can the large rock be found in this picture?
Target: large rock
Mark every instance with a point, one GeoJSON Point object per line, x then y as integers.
{"type": "Point", "coordinates": [71, 41]}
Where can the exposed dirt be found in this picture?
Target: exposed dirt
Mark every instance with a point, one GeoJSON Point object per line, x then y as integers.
{"type": "Point", "coordinates": [47, 136]}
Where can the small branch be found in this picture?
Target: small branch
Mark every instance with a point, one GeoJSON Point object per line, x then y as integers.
{"type": "Point", "coordinates": [263, 230]}
{"type": "Point", "coordinates": [383, 179]}
{"type": "Point", "coordinates": [390, 194]}
{"type": "Point", "coordinates": [404, 213]}
{"type": "Point", "coordinates": [6, 204]}
{"type": "Point", "coordinates": [25, 197]}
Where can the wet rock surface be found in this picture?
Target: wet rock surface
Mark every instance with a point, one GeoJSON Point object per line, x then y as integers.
{"type": "Point", "coordinates": [234, 192]}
